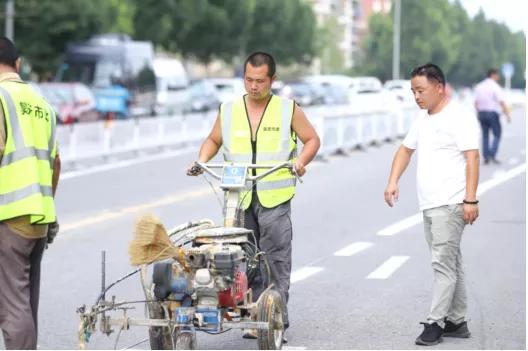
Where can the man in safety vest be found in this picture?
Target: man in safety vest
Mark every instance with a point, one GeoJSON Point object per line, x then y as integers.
{"type": "Point", "coordinates": [263, 128]}
{"type": "Point", "coordinates": [29, 173]}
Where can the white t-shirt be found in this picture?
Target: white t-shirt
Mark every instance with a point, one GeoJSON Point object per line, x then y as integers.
{"type": "Point", "coordinates": [440, 140]}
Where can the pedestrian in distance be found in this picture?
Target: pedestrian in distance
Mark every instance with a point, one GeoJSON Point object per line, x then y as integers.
{"type": "Point", "coordinates": [446, 136]}
{"type": "Point", "coordinates": [29, 174]}
{"type": "Point", "coordinates": [489, 102]}
{"type": "Point", "coordinates": [263, 128]}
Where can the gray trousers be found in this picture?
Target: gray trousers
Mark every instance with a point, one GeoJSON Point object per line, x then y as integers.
{"type": "Point", "coordinates": [443, 231]}
{"type": "Point", "coordinates": [19, 288]}
{"type": "Point", "coordinates": [273, 232]}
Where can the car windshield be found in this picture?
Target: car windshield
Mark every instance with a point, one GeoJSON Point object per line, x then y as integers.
{"type": "Point", "coordinates": [57, 95]}
{"type": "Point", "coordinates": [97, 73]}
{"type": "Point", "coordinates": [77, 72]}
{"type": "Point", "coordinates": [225, 88]}
{"type": "Point", "coordinates": [302, 89]}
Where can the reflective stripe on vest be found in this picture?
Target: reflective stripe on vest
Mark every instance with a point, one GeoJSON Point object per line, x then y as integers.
{"type": "Point", "coordinates": [275, 144]}
{"type": "Point", "coordinates": [26, 185]}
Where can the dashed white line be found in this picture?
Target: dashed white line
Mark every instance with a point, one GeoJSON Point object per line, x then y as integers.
{"type": "Point", "coordinates": [353, 249]}
{"type": "Point", "coordinates": [401, 225]}
{"type": "Point", "coordinates": [498, 177]}
{"type": "Point", "coordinates": [513, 161]}
{"type": "Point", "coordinates": [501, 178]}
{"type": "Point", "coordinates": [303, 273]}
{"type": "Point", "coordinates": [388, 267]}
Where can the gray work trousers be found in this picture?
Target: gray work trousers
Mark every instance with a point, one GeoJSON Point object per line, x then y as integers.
{"type": "Point", "coordinates": [19, 288]}
{"type": "Point", "coordinates": [443, 231]}
{"type": "Point", "coordinates": [273, 232]}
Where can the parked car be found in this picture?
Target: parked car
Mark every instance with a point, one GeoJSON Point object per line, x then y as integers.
{"type": "Point", "coordinates": [334, 94]}
{"type": "Point", "coordinates": [303, 93]}
{"type": "Point", "coordinates": [118, 69]}
{"type": "Point", "coordinates": [228, 88]}
{"type": "Point", "coordinates": [203, 95]}
{"type": "Point", "coordinates": [72, 102]}
{"type": "Point", "coordinates": [401, 89]}
{"type": "Point", "coordinates": [172, 94]}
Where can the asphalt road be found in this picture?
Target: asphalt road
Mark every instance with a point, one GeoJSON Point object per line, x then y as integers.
{"type": "Point", "coordinates": [351, 287]}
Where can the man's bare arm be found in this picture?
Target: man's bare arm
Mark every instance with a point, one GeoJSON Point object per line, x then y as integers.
{"type": "Point", "coordinates": [399, 165]}
{"type": "Point", "coordinates": [212, 143]}
{"type": "Point", "coordinates": [471, 211]}
{"type": "Point", "coordinates": [306, 132]}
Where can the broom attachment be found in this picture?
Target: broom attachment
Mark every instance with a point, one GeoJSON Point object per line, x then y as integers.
{"type": "Point", "coordinates": [151, 243]}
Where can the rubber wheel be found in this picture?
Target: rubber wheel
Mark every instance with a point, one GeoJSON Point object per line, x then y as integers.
{"type": "Point", "coordinates": [270, 310]}
{"type": "Point", "coordinates": [184, 340]}
{"type": "Point", "coordinates": [160, 337]}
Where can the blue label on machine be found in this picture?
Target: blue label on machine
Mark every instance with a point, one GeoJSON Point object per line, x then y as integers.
{"type": "Point", "coordinates": [234, 176]}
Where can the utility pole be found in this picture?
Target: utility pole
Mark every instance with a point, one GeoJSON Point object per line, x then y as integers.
{"type": "Point", "coordinates": [396, 40]}
{"type": "Point", "coordinates": [10, 19]}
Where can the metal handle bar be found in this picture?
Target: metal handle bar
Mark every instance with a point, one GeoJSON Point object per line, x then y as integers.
{"type": "Point", "coordinates": [208, 168]}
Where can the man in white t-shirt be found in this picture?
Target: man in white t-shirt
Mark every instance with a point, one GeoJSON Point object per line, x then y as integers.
{"type": "Point", "coordinates": [446, 136]}
{"type": "Point", "coordinates": [489, 102]}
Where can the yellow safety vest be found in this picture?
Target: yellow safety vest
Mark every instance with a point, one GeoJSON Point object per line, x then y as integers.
{"type": "Point", "coordinates": [26, 168]}
{"type": "Point", "coordinates": [275, 143]}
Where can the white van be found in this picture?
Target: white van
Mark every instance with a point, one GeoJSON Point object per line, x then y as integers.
{"type": "Point", "coordinates": [172, 84]}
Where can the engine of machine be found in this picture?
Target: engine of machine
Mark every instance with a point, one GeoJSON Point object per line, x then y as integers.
{"type": "Point", "coordinates": [216, 277]}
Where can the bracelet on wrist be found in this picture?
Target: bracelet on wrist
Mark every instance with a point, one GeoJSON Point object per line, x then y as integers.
{"type": "Point", "coordinates": [471, 202]}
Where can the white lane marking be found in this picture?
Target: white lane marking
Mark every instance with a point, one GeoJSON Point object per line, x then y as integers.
{"type": "Point", "coordinates": [498, 178]}
{"type": "Point", "coordinates": [501, 178]}
{"type": "Point", "coordinates": [353, 249]}
{"type": "Point", "coordinates": [523, 152]}
{"type": "Point", "coordinates": [303, 273]}
{"type": "Point", "coordinates": [401, 225]}
{"type": "Point", "coordinates": [124, 163]}
{"type": "Point", "coordinates": [388, 267]}
{"type": "Point", "coordinates": [169, 200]}
{"type": "Point", "coordinates": [513, 161]}
{"type": "Point", "coordinates": [294, 348]}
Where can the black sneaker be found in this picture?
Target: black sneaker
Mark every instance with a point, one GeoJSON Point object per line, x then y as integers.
{"type": "Point", "coordinates": [456, 330]}
{"type": "Point", "coordinates": [431, 335]}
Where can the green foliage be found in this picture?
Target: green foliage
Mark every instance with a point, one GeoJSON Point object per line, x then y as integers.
{"type": "Point", "coordinates": [285, 29]}
{"type": "Point", "coordinates": [226, 29]}
{"type": "Point", "coordinates": [440, 32]}
{"type": "Point", "coordinates": [327, 38]}
{"type": "Point", "coordinates": [44, 28]}
{"type": "Point", "coordinates": [378, 48]}
{"type": "Point", "coordinates": [200, 29]}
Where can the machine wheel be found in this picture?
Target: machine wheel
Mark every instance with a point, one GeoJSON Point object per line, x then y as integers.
{"type": "Point", "coordinates": [270, 310]}
{"type": "Point", "coordinates": [160, 337]}
{"type": "Point", "coordinates": [184, 340]}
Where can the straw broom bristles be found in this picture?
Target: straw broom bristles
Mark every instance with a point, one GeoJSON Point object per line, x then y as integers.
{"type": "Point", "coordinates": [151, 243]}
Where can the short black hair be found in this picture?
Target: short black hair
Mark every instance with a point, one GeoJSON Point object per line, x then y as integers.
{"type": "Point", "coordinates": [431, 71]}
{"type": "Point", "coordinates": [8, 52]}
{"type": "Point", "coordinates": [260, 58]}
{"type": "Point", "coordinates": [492, 71]}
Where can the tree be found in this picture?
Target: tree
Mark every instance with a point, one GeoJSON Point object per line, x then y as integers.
{"type": "Point", "coordinates": [285, 29]}
{"type": "Point", "coordinates": [327, 38]}
{"type": "Point", "coordinates": [166, 22]}
{"type": "Point", "coordinates": [219, 33]}
{"type": "Point", "coordinates": [377, 60]}
{"type": "Point", "coordinates": [44, 28]}
{"type": "Point", "coordinates": [440, 32]}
